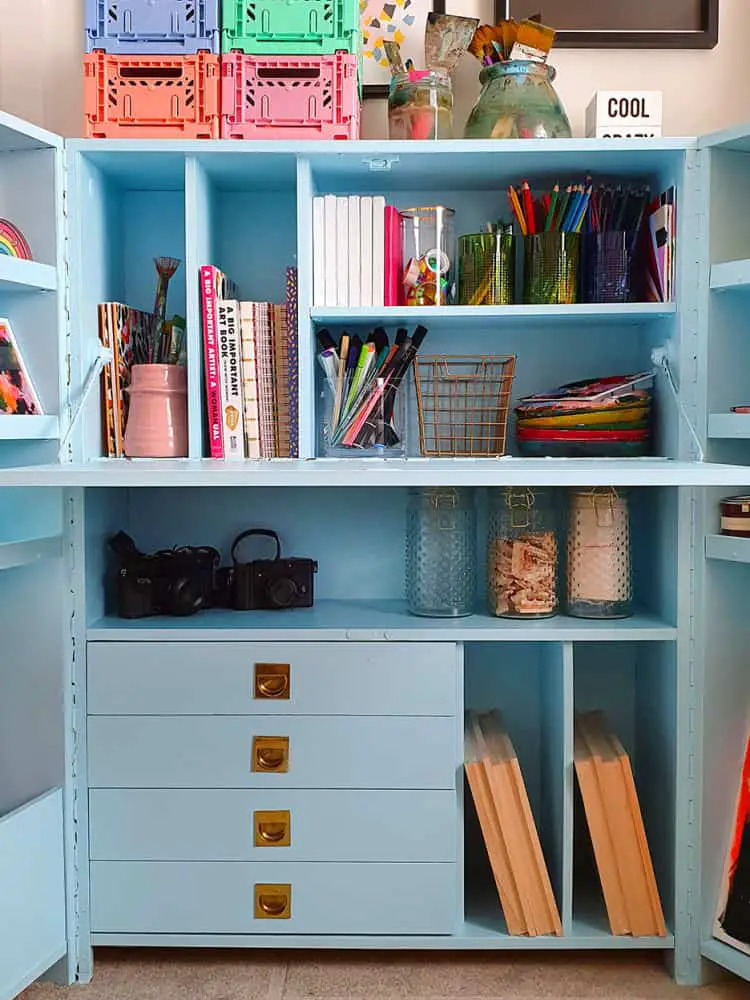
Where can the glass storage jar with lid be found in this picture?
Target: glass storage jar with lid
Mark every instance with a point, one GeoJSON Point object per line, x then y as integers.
{"type": "Point", "coordinates": [518, 101]}
{"type": "Point", "coordinates": [599, 562]}
{"type": "Point", "coordinates": [420, 105]}
{"type": "Point", "coordinates": [522, 555]}
{"type": "Point", "coordinates": [441, 552]}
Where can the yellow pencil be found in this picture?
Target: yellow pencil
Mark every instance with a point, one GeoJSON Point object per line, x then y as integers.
{"type": "Point", "coordinates": [515, 204]}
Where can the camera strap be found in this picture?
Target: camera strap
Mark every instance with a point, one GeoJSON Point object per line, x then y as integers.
{"type": "Point", "coordinates": [263, 532]}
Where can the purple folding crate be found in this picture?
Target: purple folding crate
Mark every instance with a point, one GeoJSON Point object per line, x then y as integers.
{"type": "Point", "coordinates": [152, 27]}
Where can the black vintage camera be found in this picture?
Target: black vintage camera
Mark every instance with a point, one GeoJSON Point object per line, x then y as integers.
{"type": "Point", "coordinates": [176, 581]}
{"type": "Point", "coordinates": [270, 584]}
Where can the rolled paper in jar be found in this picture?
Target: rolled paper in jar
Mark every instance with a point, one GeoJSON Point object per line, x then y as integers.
{"type": "Point", "coordinates": [437, 260]}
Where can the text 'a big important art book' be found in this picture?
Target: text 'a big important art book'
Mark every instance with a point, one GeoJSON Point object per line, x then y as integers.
{"type": "Point", "coordinates": [17, 393]}
{"type": "Point", "coordinates": [733, 917]}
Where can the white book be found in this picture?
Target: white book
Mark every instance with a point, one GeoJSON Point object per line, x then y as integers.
{"type": "Point", "coordinates": [230, 380]}
{"type": "Point", "coordinates": [330, 250]}
{"type": "Point", "coordinates": [319, 252]}
{"type": "Point", "coordinates": [378, 250]}
{"type": "Point", "coordinates": [249, 381]}
{"type": "Point", "coordinates": [355, 278]}
{"type": "Point", "coordinates": [342, 252]}
{"type": "Point", "coordinates": [365, 244]}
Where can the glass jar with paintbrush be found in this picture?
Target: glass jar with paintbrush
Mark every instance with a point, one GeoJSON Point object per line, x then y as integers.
{"type": "Point", "coordinates": [157, 425]}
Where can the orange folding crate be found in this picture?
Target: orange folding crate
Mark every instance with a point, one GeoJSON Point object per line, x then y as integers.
{"type": "Point", "coordinates": [151, 97]}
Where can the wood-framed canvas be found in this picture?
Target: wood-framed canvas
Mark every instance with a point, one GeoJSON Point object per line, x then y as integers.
{"type": "Point", "coordinates": [639, 24]}
{"type": "Point", "coordinates": [402, 21]}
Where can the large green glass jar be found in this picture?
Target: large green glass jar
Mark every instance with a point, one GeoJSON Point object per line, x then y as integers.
{"type": "Point", "coordinates": [518, 101]}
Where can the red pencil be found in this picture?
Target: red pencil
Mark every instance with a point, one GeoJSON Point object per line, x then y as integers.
{"type": "Point", "coordinates": [528, 206]}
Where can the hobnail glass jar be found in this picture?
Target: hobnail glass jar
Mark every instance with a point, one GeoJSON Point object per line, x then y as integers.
{"type": "Point", "coordinates": [518, 101]}
{"type": "Point", "coordinates": [522, 554]}
{"type": "Point", "coordinates": [441, 564]}
{"type": "Point", "coordinates": [599, 563]}
{"type": "Point", "coordinates": [420, 105]}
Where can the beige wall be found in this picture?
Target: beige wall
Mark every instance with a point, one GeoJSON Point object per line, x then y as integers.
{"type": "Point", "coordinates": [702, 90]}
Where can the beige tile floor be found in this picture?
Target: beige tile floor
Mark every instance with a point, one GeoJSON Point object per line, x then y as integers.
{"type": "Point", "coordinates": [222, 975]}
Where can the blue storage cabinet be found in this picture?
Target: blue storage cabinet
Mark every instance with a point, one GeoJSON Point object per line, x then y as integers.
{"type": "Point", "coordinates": [373, 725]}
{"type": "Point", "coordinates": [152, 27]}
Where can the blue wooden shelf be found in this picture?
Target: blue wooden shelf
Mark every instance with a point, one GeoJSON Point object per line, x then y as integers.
{"type": "Point", "coordinates": [729, 426]}
{"type": "Point", "coordinates": [27, 551]}
{"type": "Point", "coordinates": [727, 548]}
{"type": "Point", "coordinates": [28, 427]}
{"type": "Point", "coordinates": [335, 621]}
{"type": "Point", "coordinates": [733, 275]}
{"type": "Point", "coordinates": [26, 275]}
{"type": "Point", "coordinates": [727, 957]}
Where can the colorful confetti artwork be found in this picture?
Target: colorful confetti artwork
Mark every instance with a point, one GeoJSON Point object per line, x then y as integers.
{"type": "Point", "coordinates": [399, 21]}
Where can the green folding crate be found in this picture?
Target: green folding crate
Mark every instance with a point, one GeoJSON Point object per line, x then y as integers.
{"type": "Point", "coordinates": [290, 27]}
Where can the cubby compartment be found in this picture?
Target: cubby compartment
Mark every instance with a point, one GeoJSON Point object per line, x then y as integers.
{"type": "Point", "coordinates": [636, 687]}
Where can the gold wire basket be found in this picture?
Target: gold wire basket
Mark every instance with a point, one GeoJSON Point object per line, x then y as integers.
{"type": "Point", "coordinates": [463, 403]}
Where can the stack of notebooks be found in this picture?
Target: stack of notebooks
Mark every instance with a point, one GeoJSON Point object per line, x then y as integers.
{"type": "Point", "coordinates": [508, 828]}
{"type": "Point", "coordinates": [120, 328]}
{"type": "Point", "coordinates": [251, 373]}
{"type": "Point", "coordinates": [356, 251]}
{"type": "Point", "coordinates": [616, 827]}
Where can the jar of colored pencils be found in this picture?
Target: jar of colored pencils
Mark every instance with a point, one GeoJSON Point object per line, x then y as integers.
{"type": "Point", "coordinates": [551, 268]}
{"type": "Point", "coordinates": [429, 255]}
{"type": "Point", "coordinates": [420, 105]}
{"type": "Point", "coordinates": [486, 268]}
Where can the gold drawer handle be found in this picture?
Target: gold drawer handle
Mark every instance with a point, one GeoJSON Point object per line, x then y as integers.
{"type": "Point", "coordinates": [272, 828]}
{"type": "Point", "coordinates": [273, 902]}
{"type": "Point", "coordinates": [272, 680]}
{"type": "Point", "coordinates": [271, 754]}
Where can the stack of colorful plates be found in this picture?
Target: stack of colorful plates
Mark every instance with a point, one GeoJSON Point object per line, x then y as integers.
{"type": "Point", "coordinates": [605, 417]}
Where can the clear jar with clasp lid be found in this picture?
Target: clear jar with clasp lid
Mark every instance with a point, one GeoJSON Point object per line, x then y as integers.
{"type": "Point", "coordinates": [420, 105]}
{"type": "Point", "coordinates": [600, 581]}
{"type": "Point", "coordinates": [522, 554]}
{"type": "Point", "coordinates": [441, 564]}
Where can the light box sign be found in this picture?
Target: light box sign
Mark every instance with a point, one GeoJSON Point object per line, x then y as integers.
{"type": "Point", "coordinates": [624, 114]}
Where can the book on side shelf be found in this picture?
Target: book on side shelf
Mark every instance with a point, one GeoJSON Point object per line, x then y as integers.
{"type": "Point", "coordinates": [508, 828]}
{"type": "Point", "coordinates": [17, 393]}
{"type": "Point", "coordinates": [732, 924]}
{"type": "Point", "coordinates": [251, 379]}
{"type": "Point", "coordinates": [356, 251]}
{"type": "Point", "coordinates": [618, 835]}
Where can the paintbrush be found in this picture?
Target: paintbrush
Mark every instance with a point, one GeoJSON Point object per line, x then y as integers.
{"type": "Point", "coordinates": [393, 54]}
{"type": "Point", "coordinates": [446, 37]}
{"type": "Point", "coordinates": [165, 268]}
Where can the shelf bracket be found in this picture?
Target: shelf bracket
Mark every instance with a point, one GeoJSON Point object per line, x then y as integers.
{"type": "Point", "coordinates": [380, 164]}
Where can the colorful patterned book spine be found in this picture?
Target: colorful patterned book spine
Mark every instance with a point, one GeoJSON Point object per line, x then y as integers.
{"type": "Point", "coordinates": [17, 393]}
{"type": "Point", "coordinates": [293, 336]}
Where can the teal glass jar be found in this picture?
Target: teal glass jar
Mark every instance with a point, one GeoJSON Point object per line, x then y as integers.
{"type": "Point", "coordinates": [441, 556]}
{"type": "Point", "coordinates": [518, 101]}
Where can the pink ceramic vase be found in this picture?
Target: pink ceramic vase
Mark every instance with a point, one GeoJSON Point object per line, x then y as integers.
{"type": "Point", "coordinates": [157, 416]}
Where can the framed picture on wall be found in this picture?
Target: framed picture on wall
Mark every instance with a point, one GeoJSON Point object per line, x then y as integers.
{"type": "Point", "coordinates": [645, 24]}
{"type": "Point", "coordinates": [401, 21]}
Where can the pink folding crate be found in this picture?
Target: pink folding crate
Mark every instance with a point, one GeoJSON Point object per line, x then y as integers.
{"type": "Point", "coordinates": [152, 97]}
{"type": "Point", "coordinates": [289, 97]}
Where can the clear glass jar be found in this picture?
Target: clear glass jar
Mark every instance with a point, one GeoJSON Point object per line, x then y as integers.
{"type": "Point", "coordinates": [420, 105]}
{"type": "Point", "coordinates": [429, 255]}
{"type": "Point", "coordinates": [441, 563]}
{"type": "Point", "coordinates": [599, 563]}
{"type": "Point", "coordinates": [522, 567]}
{"type": "Point", "coordinates": [518, 101]}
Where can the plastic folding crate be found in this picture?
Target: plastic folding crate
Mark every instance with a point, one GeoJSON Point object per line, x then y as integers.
{"type": "Point", "coordinates": [290, 27]}
{"type": "Point", "coordinates": [152, 97]}
{"type": "Point", "coordinates": [280, 97]}
{"type": "Point", "coordinates": [152, 27]}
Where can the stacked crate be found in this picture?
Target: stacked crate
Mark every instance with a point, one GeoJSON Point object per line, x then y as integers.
{"type": "Point", "coordinates": [290, 69]}
{"type": "Point", "coordinates": [152, 69]}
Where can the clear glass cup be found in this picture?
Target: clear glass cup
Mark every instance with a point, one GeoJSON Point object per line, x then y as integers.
{"type": "Point", "coordinates": [441, 558]}
{"type": "Point", "coordinates": [429, 255]}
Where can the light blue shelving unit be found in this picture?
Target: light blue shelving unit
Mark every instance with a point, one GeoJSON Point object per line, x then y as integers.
{"type": "Point", "coordinates": [140, 733]}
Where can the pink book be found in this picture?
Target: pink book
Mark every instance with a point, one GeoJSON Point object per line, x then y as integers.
{"type": "Point", "coordinates": [214, 286]}
{"type": "Point", "coordinates": [392, 255]}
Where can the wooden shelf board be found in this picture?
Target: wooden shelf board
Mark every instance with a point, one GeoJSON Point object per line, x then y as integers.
{"type": "Point", "coordinates": [732, 275]}
{"type": "Point", "coordinates": [26, 551]}
{"type": "Point", "coordinates": [726, 426]}
{"type": "Point", "coordinates": [26, 275]}
{"type": "Point", "coordinates": [29, 427]}
{"type": "Point", "coordinates": [728, 548]}
{"type": "Point", "coordinates": [727, 957]}
{"type": "Point", "coordinates": [335, 621]}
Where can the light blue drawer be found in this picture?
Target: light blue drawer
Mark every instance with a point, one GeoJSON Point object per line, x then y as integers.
{"type": "Point", "coordinates": [142, 897]}
{"type": "Point", "coordinates": [198, 678]}
{"type": "Point", "coordinates": [219, 825]}
{"type": "Point", "coordinates": [324, 752]}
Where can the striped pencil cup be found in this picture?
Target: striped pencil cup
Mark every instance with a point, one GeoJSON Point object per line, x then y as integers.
{"type": "Point", "coordinates": [606, 264]}
{"type": "Point", "coordinates": [486, 269]}
{"type": "Point", "coordinates": [551, 268]}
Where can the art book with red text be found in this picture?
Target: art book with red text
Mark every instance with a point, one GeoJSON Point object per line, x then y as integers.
{"type": "Point", "coordinates": [215, 287]}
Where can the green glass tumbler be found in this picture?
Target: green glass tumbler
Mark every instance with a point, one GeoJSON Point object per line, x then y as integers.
{"type": "Point", "coordinates": [486, 269]}
{"type": "Point", "coordinates": [551, 268]}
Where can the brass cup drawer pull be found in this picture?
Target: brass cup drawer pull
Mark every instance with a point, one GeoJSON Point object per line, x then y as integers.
{"type": "Point", "coordinates": [272, 680]}
{"type": "Point", "coordinates": [272, 828]}
{"type": "Point", "coordinates": [273, 902]}
{"type": "Point", "coordinates": [271, 754]}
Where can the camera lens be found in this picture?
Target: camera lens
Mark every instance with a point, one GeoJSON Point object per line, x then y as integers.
{"type": "Point", "coordinates": [282, 592]}
{"type": "Point", "coordinates": [185, 597]}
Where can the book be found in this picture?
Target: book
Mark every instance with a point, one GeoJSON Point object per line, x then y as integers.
{"type": "Point", "coordinates": [732, 923]}
{"type": "Point", "coordinates": [329, 252]}
{"type": "Point", "coordinates": [264, 367]}
{"type": "Point", "coordinates": [293, 355]}
{"type": "Point", "coordinates": [319, 252]}
{"type": "Point", "coordinates": [17, 393]}
{"type": "Point", "coordinates": [366, 250]}
{"type": "Point", "coordinates": [281, 376]}
{"type": "Point", "coordinates": [393, 256]}
{"type": "Point", "coordinates": [120, 329]}
{"type": "Point", "coordinates": [355, 277]}
{"type": "Point", "coordinates": [378, 250]}
{"type": "Point", "coordinates": [251, 417]}
{"type": "Point", "coordinates": [214, 286]}
{"type": "Point", "coordinates": [230, 380]}
{"type": "Point", "coordinates": [343, 257]}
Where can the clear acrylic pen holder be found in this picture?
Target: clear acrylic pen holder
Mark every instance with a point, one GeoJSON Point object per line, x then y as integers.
{"type": "Point", "coordinates": [369, 424]}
